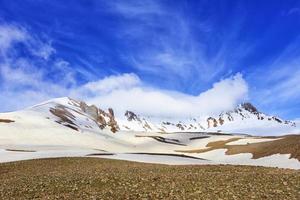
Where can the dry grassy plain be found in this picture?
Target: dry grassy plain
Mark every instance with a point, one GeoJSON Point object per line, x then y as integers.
{"type": "Point", "coordinates": [289, 144]}
{"type": "Point", "coordinates": [93, 178]}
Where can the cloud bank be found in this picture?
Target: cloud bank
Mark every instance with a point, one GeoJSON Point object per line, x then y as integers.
{"type": "Point", "coordinates": [128, 92]}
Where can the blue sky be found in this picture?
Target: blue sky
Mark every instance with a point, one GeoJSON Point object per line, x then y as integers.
{"type": "Point", "coordinates": [172, 49]}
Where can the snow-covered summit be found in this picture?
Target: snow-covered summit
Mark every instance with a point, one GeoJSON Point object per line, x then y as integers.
{"type": "Point", "coordinates": [79, 116]}
{"type": "Point", "coordinates": [245, 118]}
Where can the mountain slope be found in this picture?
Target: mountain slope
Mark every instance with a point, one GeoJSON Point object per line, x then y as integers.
{"type": "Point", "coordinates": [67, 127]}
{"type": "Point", "coordinates": [79, 116]}
{"type": "Point", "coordinates": [244, 119]}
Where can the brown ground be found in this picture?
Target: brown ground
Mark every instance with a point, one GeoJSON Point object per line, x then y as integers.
{"type": "Point", "coordinates": [94, 178]}
{"type": "Point", "coordinates": [6, 120]}
{"type": "Point", "coordinates": [19, 150]}
{"type": "Point", "coordinates": [286, 145]}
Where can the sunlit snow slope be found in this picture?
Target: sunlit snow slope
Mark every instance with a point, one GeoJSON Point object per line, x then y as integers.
{"type": "Point", "coordinates": [66, 127]}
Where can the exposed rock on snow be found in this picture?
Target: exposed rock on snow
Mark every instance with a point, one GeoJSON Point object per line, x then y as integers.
{"type": "Point", "coordinates": [244, 119]}
{"type": "Point", "coordinates": [51, 128]}
{"type": "Point", "coordinates": [66, 114]}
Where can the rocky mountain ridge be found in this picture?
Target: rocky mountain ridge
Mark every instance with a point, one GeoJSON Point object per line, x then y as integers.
{"type": "Point", "coordinates": [79, 116]}
{"type": "Point", "coordinates": [243, 112]}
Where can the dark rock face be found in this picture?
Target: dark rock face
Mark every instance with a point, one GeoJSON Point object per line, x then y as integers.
{"type": "Point", "coordinates": [101, 121]}
{"type": "Point", "coordinates": [221, 121]}
{"type": "Point", "coordinates": [100, 117]}
{"type": "Point", "coordinates": [66, 118]}
{"type": "Point", "coordinates": [212, 122]}
{"type": "Point", "coordinates": [249, 107]}
{"type": "Point", "coordinates": [180, 126]}
{"type": "Point", "coordinates": [131, 116]}
{"type": "Point", "coordinates": [112, 122]}
{"type": "Point", "coordinates": [96, 114]}
{"type": "Point", "coordinates": [276, 119]}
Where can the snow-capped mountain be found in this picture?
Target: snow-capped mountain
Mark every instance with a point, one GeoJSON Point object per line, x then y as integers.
{"type": "Point", "coordinates": [244, 119]}
{"type": "Point", "coordinates": [66, 127]}
{"type": "Point", "coordinates": [76, 115]}
{"type": "Point", "coordinates": [79, 116]}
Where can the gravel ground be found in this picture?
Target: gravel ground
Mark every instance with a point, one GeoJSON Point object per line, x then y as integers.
{"type": "Point", "coordinates": [94, 178]}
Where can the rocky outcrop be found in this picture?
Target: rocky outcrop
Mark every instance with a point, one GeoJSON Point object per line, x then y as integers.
{"type": "Point", "coordinates": [221, 121]}
{"type": "Point", "coordinates": [112, 121]}
{"type": "Point", "coordinates": [100, 117]}
{"type": "Point", "coordinates": [131, 116]}
{"type": "Point", "coordinates": [180, 126]}
{"type": "Point", "coordinates": [211, 122]}
{"type": "Point", "coordinates": [249, 107]}
{"type": "Point", "coordinates": [64, 116]}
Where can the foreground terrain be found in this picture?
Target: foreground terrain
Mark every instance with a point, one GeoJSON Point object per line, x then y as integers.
{"type": "Point", "coordinates": [95, 178]}
{"type": "Point", "coordinates": [173, 149]}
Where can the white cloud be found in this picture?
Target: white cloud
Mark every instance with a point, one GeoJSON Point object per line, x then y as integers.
{"type": "Point", "coordinates": [135, 96]}
{"type": "Point", "coordinates": [172, 47]}
{"type": "Point", "coordinates": [10, 34]}
{"type": "Point", "coordinates": [25, 84]}
{"type": "Point", "coordinates": [108, 84]}
{"type": "Point", "coordinates": [24, 78]}
{"type": "Point", "coordinates": [135, 8]}
{"type": "Point", "coordinates": [279, 77]}
{"type": "Point", "coordinates": [42, 50]}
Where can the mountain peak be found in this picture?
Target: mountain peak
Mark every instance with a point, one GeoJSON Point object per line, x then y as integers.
{"type": "Point", "coordinates": [249, 107]}
{"type": "Point", "coordinates": [80, 116]}
{"type": "Point", "coordinates": [131, 116]}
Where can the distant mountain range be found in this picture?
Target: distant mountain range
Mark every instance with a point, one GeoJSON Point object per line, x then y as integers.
{"type": "Point", "coordinates": [240, 120]}
{"type": "Point", "coordinates": [77, 115]}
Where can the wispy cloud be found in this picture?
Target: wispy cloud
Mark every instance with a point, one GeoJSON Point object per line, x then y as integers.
{"type": "Point", "coordinates": [106, 85]}
{"type": "Point", "coordinates": [25, 66]}
{"type": "Point", "coordinates": [10, 34]}
{"type": "Point", "coordinates": [276, 83]}
{"type": "Point", "coordinates": [293, 11]}
{"type": "Point", "coordinates": [162, 41]}
{"type": "Point", "coordinates": [133, 8]}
